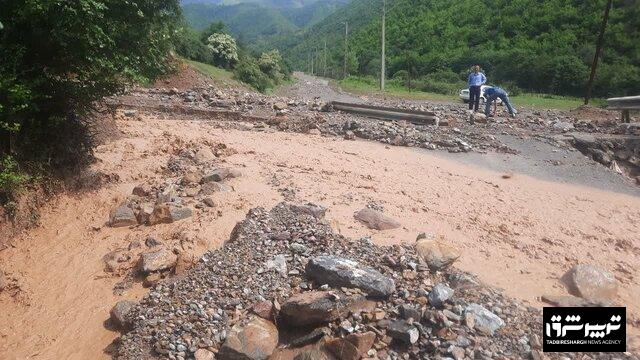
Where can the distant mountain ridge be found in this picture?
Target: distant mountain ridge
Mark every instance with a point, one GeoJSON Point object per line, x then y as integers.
{"type": "Point", "coordinates": [257, 22]}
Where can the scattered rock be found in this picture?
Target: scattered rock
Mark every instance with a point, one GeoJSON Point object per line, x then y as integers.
{"type": "Point", "coordinates": [437, 254]}
{"type": "Point", "coordinates": [590, 282]}
{"type": "Point", "coordinates": [484, 319]}
{"type": "Point", "coordinates": [255, 341]}
{"type": "Point", "coordinates": [214, 187]}
{"type": "Point", "coordinates": [403, 331]}
{"type": "Point", "coordinates": [376, 220]}
{"type": "Point", "coordinates": [209, 202]}
{"type": "Point", "coordinates": [313, 308]}
{"type": "Point", "coordinates": [279, 106]}
{"type": "Point", "coordinates": [166, 214]}
{"type": "Point", "coordinates": [141, 190]}
{"type": "Point", "coordinates": [122, 216]}
{"type": "Point", "coordinates": [265, 310]}
{"type": "Point", "coordinates": [314, 210]}
{"type": "Point", "coordinates": [162, 259]}
{"type": "Point", "coordinates": [216, 175]}
{"type": "Point", "coordinates": [440, 294]}
{"type": "Point", "coordinates": [336, 271]}
{"type": "Point", "coordinates": [362, 341]}
{"type": "Point", "coordinates": [410, 312]}
{"type": "Point", "coordinates": [121, 314]}
{"type": "Point", "coordinates": [150, 241]}
{"type": "Point", "coordinates": [349, 135]}
{"type": "Point", "coordinates": [342, 349]}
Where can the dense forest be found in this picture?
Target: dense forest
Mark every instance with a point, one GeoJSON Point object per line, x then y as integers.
{"type": "Point", "coordinates": [539, 46]}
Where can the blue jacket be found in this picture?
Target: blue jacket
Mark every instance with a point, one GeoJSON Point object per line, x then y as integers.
{"type": "Point", "coordinates": [477, 79]}
{"type": "Point", "coordinates": [493, 91]}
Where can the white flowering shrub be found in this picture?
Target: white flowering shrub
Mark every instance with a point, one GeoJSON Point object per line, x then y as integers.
{"type": "Point", "coordinates": [224, 49]}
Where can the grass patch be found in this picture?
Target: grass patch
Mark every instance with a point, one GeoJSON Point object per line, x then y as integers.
{"type": "Point", "coordinates": [215, 73]}
{"type": "Point", "coordinates": [365, 86]}
{"type": "Point", "coordinates": [546, 101]}
{"type": "Point", "coordinates": [368, 86]}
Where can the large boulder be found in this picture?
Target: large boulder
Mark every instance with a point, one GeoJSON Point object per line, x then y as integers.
{"type": "Point", "coordinates": [340, 272]}
{"type": "Point", "coordinates": [121, 314]}
{"type": "Point", "coordinates": [122, 216]}
{"type": "Point", "coordinates": [484, 319]}
{"type": "Point", "coordinates": [255, 341]}
{"type": "Point", "coordinates": [436, 253]}
{"type": "Point", "coordinates": [590, 282]}
{"type": "Point", "coordinates": [374, 219]}
{"type": "Point", "coordinates": [314, 308]}
{"type": "Point", "coordinates": [159, 260]}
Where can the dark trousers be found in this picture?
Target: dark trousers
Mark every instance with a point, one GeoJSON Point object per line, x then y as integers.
{"type": "Point", "coordinates": [474, 97]}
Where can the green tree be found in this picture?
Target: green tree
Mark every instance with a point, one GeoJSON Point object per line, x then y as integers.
{"type": "Point", "coordinates": [58, 57]}
{"type": "Point", "coordinates": [224, 50]}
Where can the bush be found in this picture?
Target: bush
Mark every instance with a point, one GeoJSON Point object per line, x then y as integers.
{"type": "Point", "coordinates": [249, 72]}
{"type": "Point", "coordinates": [224, 50]}
{"type": "Point", "coordinates": [10, 178]}
{"type": "Point", "coordinates": [270, 63]}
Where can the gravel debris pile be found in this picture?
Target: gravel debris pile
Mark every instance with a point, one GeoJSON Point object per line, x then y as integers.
{"type": "Point", "coordinates": [350, 298]}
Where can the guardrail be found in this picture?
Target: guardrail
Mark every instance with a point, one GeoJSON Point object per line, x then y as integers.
{"type": "Point", "coordinates": [624, 104]}
{"type": "Point", "coordinates": [387, 113]}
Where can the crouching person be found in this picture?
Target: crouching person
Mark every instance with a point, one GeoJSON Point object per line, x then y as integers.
{"type": "Point", "coordinates": [491, 94]}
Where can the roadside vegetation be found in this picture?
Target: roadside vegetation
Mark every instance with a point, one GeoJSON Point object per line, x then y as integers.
{"type": "Point", "coordinates": [216, 47]}
{"type": "Point", "coordinates": [58, 59]}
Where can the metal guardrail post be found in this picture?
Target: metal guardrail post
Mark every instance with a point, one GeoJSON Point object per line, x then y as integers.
{"type": "Point", "coordinates": [624, 104]}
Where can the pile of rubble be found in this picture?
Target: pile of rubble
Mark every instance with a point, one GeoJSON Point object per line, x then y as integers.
{"type": "Point", "coordinates": [286, 285]}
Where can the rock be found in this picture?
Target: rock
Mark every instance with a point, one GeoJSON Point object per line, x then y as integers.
{"type": "Point", "coordinates": [436, 253]}
{"type": "Point", "coordinates": [573, 301]}
{"type": "Point", "coordinates": [121, 314]}
{"type": "Point", "coordinates": [129, 113]}
{"type": "Point", "coordinates": [209, 202]}
{"type": "Point", "coordinates": [169, 195]}
{"type": "Point", "coordinates": [144, 213]}
{"type": "Point", "coordinates": [116, 260]}
{"type": "Point", "coordinates": [376, 220]}
{"type": "Point", "coordinates": [479, 117]}
{"type": "Point", "coordinates": [216, 175]}
{"type": "Point", "coordinates": [410, 312]}
{"type": "Point", "coordinates": [162, 259]}
{"type": "Point", "coordinates": [264, 309]}
{"type": "Point", "coordinates": [150, 241]}
{"type": "Point", "coordinates": [403, 331]}
{"type": "Point", "coordinates": [311, 354]}
{"type": "Point", "coordinates": [314, 210]}
{"type": "Point", "coordinates": [484, 318]}
{"type": "Point", "coordinates": [214, 187]}
{"type": "Point", "coordinates": [141, 190]}
{"type": "Point", "coordinates": [279, 106]}
{"type": "Point", "coordinates": [151, 280]}
{"type": "Point", "coordinates": [439, 295]}
{"type": "Point", "coordinates": [457, 352]}
{"type": "Point", "coordinates": [342, 349]}
{"type": "Point", "coordinates": [122, 216]}
{"type": "Point", "coordinates": [166, 214]}
{"type": "Point", "coordinates": [590, 282]}
{"type": "Point", "coordinates": [339, 272]}
{"type": "Point", "coordinates": [313, 308]}
{"type": "Point", "coordinates": [222, 103]}
{"type": "Point", "coordinates": [204, 354]}
{"type": "Point", "coordinates": [315, 132]}
{"type": "Point", "coordinates": [362, 341]}
{"type": "Point", "coordinates": [279, 264]}
{"type": "Point", "coordinates": [3, 282]}
{"type": "Point", "coordinates": [191, 178]}
{"type": "Point", "coordinates": [562, 126]}
{"type": "Point", "coordinates": [349, 135]}
{"type": "Point", "coordinates": [255, 341]}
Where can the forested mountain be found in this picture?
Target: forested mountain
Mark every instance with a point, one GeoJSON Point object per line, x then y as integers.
{"type": "Point", "coordinates": [542, 46]}
{"type": "Point", "coordinates": [257, 22]}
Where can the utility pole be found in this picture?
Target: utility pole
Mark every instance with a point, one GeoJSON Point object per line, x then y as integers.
{"type": "Point", "coordinates": [324, 68]}
{"type": "Point", "coordinates": [594, 65]}
{"type": "Point", "coordinates": [346, 47]}
{"type": "Point", "coordinates": [382, 60]}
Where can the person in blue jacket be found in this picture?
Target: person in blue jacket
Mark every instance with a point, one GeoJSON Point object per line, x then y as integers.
{"type": "Point", "coordinates": [475, 82]}
{"type": "Point", "coordinates": [492, 93]}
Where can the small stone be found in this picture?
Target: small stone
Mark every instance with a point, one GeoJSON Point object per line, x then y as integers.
{"type": "Point", "coordinates": [313, 308]}
{"type": "Point", "coordinates": [216, 175]}
{"type": "Point", "coordinates": [484, 318]}
{"type": "Point", "coordinates": [151, 280]}
{"type": "Point", "coordinates": [121, 314]}
{"type": "Point", "coordinates": [349, 135]}
{"type": "Point", "coordinates": [215, 187]}
{"type": "Point", "coordinates": [122, 216]}
{"type": "Point", "coordinates": [401, 330]}
{"type": "Point", "coordinates": [209, 202]}
{"type": "Point", "coordinates": [457, 352]}
{"type": "Point", "coordinates": [590, 282]}
{"type": "Point", "coordinates": [158, 260]}
{"type": "Point", "coordinates": [440, 294]}
{"type": "Point", "coordinates": [314, 210]}
{"type": "Point", "coordinates": [314, 132]}
{"type": "Point", "coordinates": [264, 309]}
{"type": "Point", "coordinates": [279, 106]}
{"type": "Point", "coordinates": [376, 220]}
{"type": "Point", "coordinates": [141, 191]}
{"type": "Point", "coordinates": [342, 349]}
{"type": "Point", "coordinates": [362, 341]}
{"type": "Point", "coordinates": [150, 241]}
{"type": "Point", "coordinates": [166, 214]}
{"type": "Point", "coordinates": [410, 312]}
